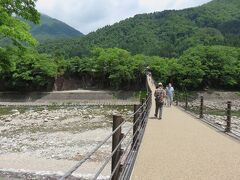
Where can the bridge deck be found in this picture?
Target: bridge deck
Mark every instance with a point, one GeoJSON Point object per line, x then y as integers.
{"type": "Point", "coordinates": [182, 147]}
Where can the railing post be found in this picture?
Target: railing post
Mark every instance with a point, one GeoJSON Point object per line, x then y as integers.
{"type": "Point", "coordinates": [142, 111]}
{"type": "Point", "coordinates": [142, 101]}
{"type": "Point", "coordinates": [186, 101]}
{"type": "Point", "coordinates": [135, 127]}
{"type": "Point", "coordinates": [148, 101]}
{"type": "Point", "coordinates": [201, 108]}
{"type": "Point", "coordinates": [146, 80]}
{"type": "Point", "coordinates": [145, 107]}
{"type": "Point", "coordinates": [228, 127]}
{"type": "Point", "coordinates": [176, 95]}
{"type": "Point", "coordinates": [116, 138]}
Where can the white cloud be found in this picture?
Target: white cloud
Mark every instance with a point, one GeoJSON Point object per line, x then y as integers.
{"type": "Point", "coordinates": [89, 15]}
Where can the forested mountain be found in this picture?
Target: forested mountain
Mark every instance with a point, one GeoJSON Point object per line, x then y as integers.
{"type": "Point", "coordinates": [52, 29]}
{"type": "Point", "coordinates": [193, 48]}
{"type": "Point", "coordinates": [167, 34]}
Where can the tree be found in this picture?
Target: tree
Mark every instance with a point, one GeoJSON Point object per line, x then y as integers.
{"type": "Point", "coordinates": [33, 70]}
{"type": "Point", "coordinates": [165, 34]}
{"type": "Point", "coordinates": [213, 66]}
{"type": "Point", "coordinates": [10, 24]}
{"type": "Point", "coordinates": [6, 59]}
{"type": "Point", "coordinates": [11, 27]}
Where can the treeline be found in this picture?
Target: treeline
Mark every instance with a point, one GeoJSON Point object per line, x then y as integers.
{"type": "Point", "coordinates": [25, 69]}
{"type": "Point", "coordinates": [199, 67]}
{"type": "Point", "coordinates": [183, 47]}
{"type": "Point", "coordinates": [165, 34]}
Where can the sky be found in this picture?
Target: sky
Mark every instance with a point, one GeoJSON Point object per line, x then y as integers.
{"type": "Point", "coordinates": [89, 15]}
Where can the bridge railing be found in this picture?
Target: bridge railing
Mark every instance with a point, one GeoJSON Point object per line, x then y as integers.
{"type": "Point", "coordinates": [224, 115]}
{"type": "Point", "coordinates": [122, 158]}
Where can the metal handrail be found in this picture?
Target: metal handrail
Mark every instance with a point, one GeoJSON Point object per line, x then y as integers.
{"type": "Point", "coordinates": [74, 168]}
{"type": "Point", "coordinates": [123, 153]}
{"type": "Point", "coordinates": [146, 104]}
{"type": "Point", "coordinates": [132, 155]}
{"type": "Point", "coordinates": [113, 152]}
{"type": "Point", "coordinates": [116, 148]}
{"type": "Point", "coordinates": [137, 132]}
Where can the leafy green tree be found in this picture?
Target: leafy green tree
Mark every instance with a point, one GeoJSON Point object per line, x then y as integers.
{"type": "Point", "coordinates": [113, 65]}
{"type": "Point", "coordinates": [191, 71]}
{"type": "Point", "coordinates": [11, 26]}
{"type": "Point", "coordinates": [7, 57]}
{"type": "Point", "coordinates": [33, 70]}
{"type": "Point", "coordinates": [213, 66]}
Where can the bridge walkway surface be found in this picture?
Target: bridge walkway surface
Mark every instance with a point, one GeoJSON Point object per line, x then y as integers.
{"type": "Point", "coordinates": [180, 146]}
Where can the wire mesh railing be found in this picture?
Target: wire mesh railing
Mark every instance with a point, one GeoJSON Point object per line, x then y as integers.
{"type": "Point", "coordinates": [223, 114]}
{"type": "Point", "coordinates": [122, 157]}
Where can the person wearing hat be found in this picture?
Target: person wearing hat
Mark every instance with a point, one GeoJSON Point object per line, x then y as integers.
{"type": "Point", "coordinates": [159, 99]}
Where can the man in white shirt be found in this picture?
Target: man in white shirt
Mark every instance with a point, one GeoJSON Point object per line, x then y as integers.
{"type": "Point", "coordinates": [170, 94]}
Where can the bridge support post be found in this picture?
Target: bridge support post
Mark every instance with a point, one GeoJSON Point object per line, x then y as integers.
{"type": "Point", "coordinates": [201, 108]}
{"type": "Point", "coordinates": [116, 138]}
{"type": "Point", "coordinates": [142, 111]}
{"type": "Point", "coordinates": [176, 99]}
{"type": "Point", "coordinates": [142, 101]}
{"type": "Point", "coordinates": [186, 101]}
{"type": "Point", "coordinates": [136, 125]}
{"type": "Point", "coordinates": [228, 127]}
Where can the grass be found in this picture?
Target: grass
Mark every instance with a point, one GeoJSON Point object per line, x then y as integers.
{"type": "Point", "coordinates": [140, 94]}
{"type": "Point", "coordinates": [75, 126]}
{"type": "Point", "coordinates": [181, 96]}
{"type": "Point", "coordinates": [7, 110]}
{"type": "Point", "coordinates": [216, 112]}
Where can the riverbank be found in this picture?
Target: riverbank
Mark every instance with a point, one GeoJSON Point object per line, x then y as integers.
{"type": "Point", "coordinates": [43, 141]}
{"type": "Point", "coordinates": [214, 107]}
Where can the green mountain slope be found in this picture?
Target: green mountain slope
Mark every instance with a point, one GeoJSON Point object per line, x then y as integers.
{"type": "Point", "coordinates": [52, 29]}
{"type": "Point", "coordinates": [166, 33]}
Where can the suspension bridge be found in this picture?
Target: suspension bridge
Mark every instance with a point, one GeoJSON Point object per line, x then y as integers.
{"type": "Point", "coordinates": [179, 146]}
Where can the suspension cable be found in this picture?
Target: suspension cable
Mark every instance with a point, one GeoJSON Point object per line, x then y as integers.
{"type": "Point", "coordinates": [116, 148]}
{"type": "Point", "coordinates": [74, 168]}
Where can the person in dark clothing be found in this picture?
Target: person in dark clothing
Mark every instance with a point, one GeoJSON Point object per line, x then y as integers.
{"type": "Point", "coordinates": [159, 99]}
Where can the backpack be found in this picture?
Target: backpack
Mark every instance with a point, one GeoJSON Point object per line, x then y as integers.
{"type": "Point", "coordinates": [160, 96]}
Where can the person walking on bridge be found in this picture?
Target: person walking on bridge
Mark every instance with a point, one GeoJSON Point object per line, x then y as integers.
{"type": "Point", "coordinates": [170, 94]}
{"type": "Point", "coordinates": [159, 98]}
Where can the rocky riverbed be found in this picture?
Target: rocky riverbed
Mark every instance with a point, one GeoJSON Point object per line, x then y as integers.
{"type": "Point", "coordinates": [58, 133]}
{"type": "Point", "coordinates": [215, 105]}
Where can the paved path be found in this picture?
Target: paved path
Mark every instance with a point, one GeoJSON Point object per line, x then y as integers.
{"type": "Point", "coordinates": [182, 147]}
